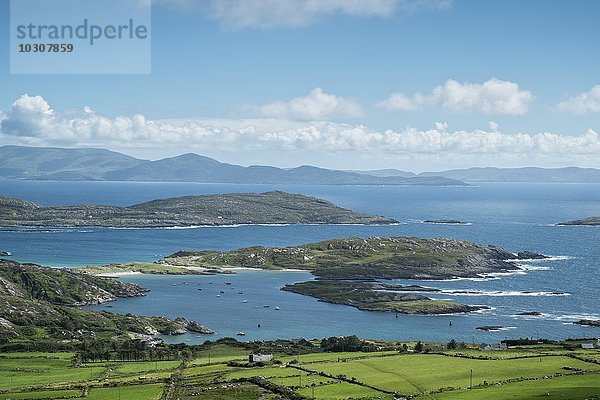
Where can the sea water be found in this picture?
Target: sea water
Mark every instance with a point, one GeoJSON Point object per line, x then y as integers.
{"type": "Point", "coordinates": [515, 216]}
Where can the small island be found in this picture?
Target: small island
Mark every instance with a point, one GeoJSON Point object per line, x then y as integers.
{"type": "Point", "coordinates": [590, 221]}
{"type": "Point", "coordinates": [204, 210]}
{"type": "Point", "coordinates": [378, 297]}
{"type": "Point", "coordinates": [445, 222]}
{"type": "Point", "coordinates": [490, 328]}
{"type": "Point", "coordinates": [588, 322]}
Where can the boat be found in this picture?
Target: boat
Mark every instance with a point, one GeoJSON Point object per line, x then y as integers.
{"type": "Point", "coordinates": [220, 291]}
{"type": "Point", "coordinates": [240, 333]}
{"type": "Point", "coordinates": [244, 301]}
{"type": "Point", "coordinates": [199, 288]}
{"type": "Point", "coordinates": [240, 292]}
{"type": "Point", "coordinates": [228, 283]}
{"type": "Point", "coordinates": [218, 295]}
{"type": "Point", "coordinates": [277, 308]}
{"type": "Point", "coordinates": [5, 253]}
{"type": "Point", "coordinates": [266, 306]}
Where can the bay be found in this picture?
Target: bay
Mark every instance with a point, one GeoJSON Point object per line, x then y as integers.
{"type": "Point", "coordinates": [515, 216]}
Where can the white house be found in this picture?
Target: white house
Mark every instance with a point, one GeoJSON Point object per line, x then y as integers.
{"type": "Point", "coordinates": [260, 357]}
{"type": "Point", "coordinates": [493, 346]}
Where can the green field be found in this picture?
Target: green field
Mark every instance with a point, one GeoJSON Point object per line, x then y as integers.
{"type": "Point", "coordinates": [220, 353]}
{"type": "Point", "coordinates": [572, 387]}
{"type": "Point", "coordinates": [145, 392]}
{"type": "Point", "coordinates": [519, 373]}
{"type": "Point", "coordinates": [414, 374]}
{"type": "Point", "coordinates": [35, 372]}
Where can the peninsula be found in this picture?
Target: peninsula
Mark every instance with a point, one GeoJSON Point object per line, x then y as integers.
{"type": "Point", "coordinates": [348, 270]}
{"type": "Point", "coordinates": [212, 210]}
{"type": "Point", "coordinates": [364, 258]}
{"type": "Point", "coordinates": [43, 304]}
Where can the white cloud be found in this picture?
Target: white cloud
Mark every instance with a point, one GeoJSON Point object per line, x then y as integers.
{"type": "Point", "coordinates": [28, 115]}
{"type": "Point", "coordinates": [317, 105]}
{"type": "Point", "coordinates": [583, 103]}
{"type": "Point", "coordinates": [267, 14]}
{"type": "Point", "coordinates": [493, 96]}
{"type": "Point", "coordinates": [31, 121]}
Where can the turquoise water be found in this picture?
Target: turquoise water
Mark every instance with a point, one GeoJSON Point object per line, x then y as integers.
{"type": "Point", "coordinates": [515, 216]}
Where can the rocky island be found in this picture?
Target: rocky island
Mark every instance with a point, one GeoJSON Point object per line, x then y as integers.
{"type": "Point", "coordinates": [212, 210]}
{"type": "Point", "coordinates": [445, 222]}
{"type": "Point", "coordinates": [347, 270]}
{"type": "Point", "coordinates": [378, 297]}
{"type": "Point", "coordinates": [590, 221]}
{"type": "Point", "coordinates": [588, 322]}
{"type": "Point", "coordinates": [44, 303]}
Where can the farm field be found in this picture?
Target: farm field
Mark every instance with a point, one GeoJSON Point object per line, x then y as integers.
{"type": "Point", "coordinates": [519, 373]}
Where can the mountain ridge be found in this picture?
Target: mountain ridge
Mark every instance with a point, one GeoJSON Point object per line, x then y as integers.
{"type": "Point", "coordinates": [46, 163]}
{"type": "Point", "coordinates": [90, 164]}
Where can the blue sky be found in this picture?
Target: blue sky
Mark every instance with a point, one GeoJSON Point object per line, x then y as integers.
{"type": "Point", "coordinates": [507, 83]}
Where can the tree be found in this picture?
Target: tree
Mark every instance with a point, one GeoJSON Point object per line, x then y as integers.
{"type": "Point", "coordinates": [419, 347]}
{"type": "Point", "coordinates": [452, 344]}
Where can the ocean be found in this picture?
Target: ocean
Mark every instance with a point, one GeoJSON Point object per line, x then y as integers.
{"type": "Point", "coordinates": [516, 216]}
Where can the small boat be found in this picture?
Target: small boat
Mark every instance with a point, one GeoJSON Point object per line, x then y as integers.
{"type": "Point", "coordinates": [218, 295]}
{"type": "Point", "coordinates": [244, 301]}
{"type": "Point", "coordinates": [276, 308]}
{"type": "Point", "coordinates": [228, 283]}
{"type": "Point", "coordinates": [220, 291]}
{"type": "Point", "coordinates": [240, 333]}
{"type": "Point", "coordinates": [5, 254]}
{"type": "Point", "coordinates": [199, 288]}
{"type": "Point", "coordinates": [240, 292]}
{"type": "Point", "coordinates": [266, 306]}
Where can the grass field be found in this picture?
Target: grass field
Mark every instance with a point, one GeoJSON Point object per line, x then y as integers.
{"type": "Point", "coordinates": [47, 394]}
{"type": "Point", "coordinates": [572, 387]}
{"type": "Point", "coordinates": [31, 372]}
{"type": "Point", "coordinates": [413, 374]}
{"type": "Point", "coordinates": [143, 392]}
{"type": "Point", "coordinates": [220, 353]}
{"type": "Point", "coordinates": [338, 376]}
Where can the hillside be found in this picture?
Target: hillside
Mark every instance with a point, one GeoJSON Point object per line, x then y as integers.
{"type": "Point", "coordinates": [222, 209]}
{"type": "Point", "coordinates": [43, 302]}
{"type": "Point", "coordinates": [50, 163]}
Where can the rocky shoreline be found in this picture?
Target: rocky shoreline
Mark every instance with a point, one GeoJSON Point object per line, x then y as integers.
{"type": "Point", "coordinates": [51, 299]}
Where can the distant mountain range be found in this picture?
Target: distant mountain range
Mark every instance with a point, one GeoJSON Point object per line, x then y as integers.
{"type": "Point", "coordinates": [41, 163]}
{"type": "Point", "coordinates": [493, 174]}
{"type": "Point", "coordinates": [45, 163]}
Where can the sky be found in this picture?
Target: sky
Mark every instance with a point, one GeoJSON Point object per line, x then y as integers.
{"type": "Point", "coordinates": [419, 85]}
